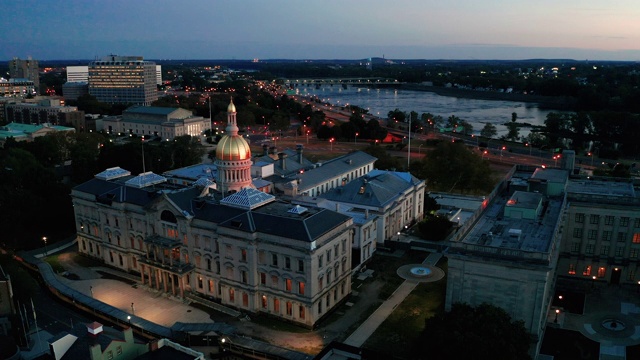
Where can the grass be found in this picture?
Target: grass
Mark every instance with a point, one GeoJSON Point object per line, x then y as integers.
{"type": "Point", "coordinates": [54, 261]}
{"type": "Point", "coordinates": [277, 324]}
{"type": "Point", "coordinates": [396, 335]}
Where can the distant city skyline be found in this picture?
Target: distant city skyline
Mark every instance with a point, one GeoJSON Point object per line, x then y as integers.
{"type": "Point", "coordinates": [328, 29]}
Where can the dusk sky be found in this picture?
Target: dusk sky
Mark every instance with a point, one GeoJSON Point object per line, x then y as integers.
{"type": "Point", "coordinates": [326, 29]}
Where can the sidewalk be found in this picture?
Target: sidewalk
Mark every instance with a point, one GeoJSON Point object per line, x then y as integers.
{"type": "Point", "coordinates": [369, 326]}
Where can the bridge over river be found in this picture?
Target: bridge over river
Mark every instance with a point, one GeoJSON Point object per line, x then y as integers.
{"type": "Point", "coordinates": [356, 81]}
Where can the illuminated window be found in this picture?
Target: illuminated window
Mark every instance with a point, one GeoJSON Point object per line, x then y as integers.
{"type": "Point", "coordinates": [289, 308]}
{"type": "Point", "coordinates": [276, 306]}
{"type": "Point", "coordinates": [245, 299]}
{"type": "Point", "coordinates": [264, 301]}
{"type": "Point", "coordinates": [587, 270]}
{"type": "Point", "coordinates": [287, 285]}
{"type": "Point", "coordinates": [232, 295]}
{"type": "Point", "coordinates": [601, 272]}
{"type": "Point", "coordinates": [301, 288]}
{"type": "Point", "coordinates": [572, 269]}
{"type": "Point", "coordinates": [636, 238]}
{"type": "Point", "coordinates": [301, 312]}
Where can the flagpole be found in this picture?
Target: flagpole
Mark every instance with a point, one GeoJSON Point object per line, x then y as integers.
{"type": "Point", "coordinates": [409, 149]}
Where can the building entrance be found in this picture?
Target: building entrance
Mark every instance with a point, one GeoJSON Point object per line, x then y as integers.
{"type": "Point", "coordinates": [615, 276]}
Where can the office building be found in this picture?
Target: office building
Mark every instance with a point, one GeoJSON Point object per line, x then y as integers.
{"type": "Point", "coordinates": [25, 69]}
{"type": "Point", "coordinates": [45, 111]}
{"type": "Point", "coordinates": [81, 74]}
{"type": "Point", "coordinates": [73, 90]}
{"type": "Point", "coordinates": [123, 80]}
{"type": "Point", "coordinates": [17, 88]}
{"type": "Point", "coordinates": [78, 74]}
{"type": "Point", "coordinates": [151, 121]}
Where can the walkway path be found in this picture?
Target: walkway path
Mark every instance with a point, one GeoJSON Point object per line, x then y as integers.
{"type": "Point", "coordinates": [369, 326]}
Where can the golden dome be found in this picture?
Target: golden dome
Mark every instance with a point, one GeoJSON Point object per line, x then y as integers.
{"type": "Point", "coordinates": [233, 147]}
{"type": "Point", "coordinates": [231, 108]}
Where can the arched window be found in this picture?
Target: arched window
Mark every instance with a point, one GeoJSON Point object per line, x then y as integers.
{"type": "Point", "coordinates": [168, 217]}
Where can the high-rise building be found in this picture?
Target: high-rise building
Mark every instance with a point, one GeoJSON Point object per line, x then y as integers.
{"type": "Point", "coordinates": [25, 69]}
{"type": "Point", "coordinates": [81, 74]}
{"type": "Point", "coordinates": [78, 73]}
{"type": "Point", "coordinates": [123, 80]}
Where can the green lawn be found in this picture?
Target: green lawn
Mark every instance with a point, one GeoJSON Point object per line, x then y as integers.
{"type": "Point", "coordinates": [395, 337]}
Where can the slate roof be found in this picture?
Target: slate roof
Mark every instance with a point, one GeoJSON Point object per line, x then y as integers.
{"type": "Point", "coordinates": [331, 168]}
{"type": "Point", "coordinates": [150, 110]}
{"type": "Point", "coordinates": [276, 219]}
{"type": "Point", "coordinates": [292, 162]}
{"type": "Point", "coordinates": [108, 192]}
{"type": "Point", "coordinates": [377, 189]}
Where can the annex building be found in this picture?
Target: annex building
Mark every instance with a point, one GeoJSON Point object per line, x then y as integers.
{"type": "Point", "coordinates": [544, 229]}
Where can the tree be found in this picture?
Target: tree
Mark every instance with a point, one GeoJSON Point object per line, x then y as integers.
{"type": "Point", "coordinates": [453, 166]}
{"type": "Point", "coordinates": [482, 332]}
{"type": "Point", "coordinates": [434, 227]}
{"type": "Point", "coordinates": [514, 117]}
{"type": "Point", "coordinates": [489, 130]}
{"type": "Point", "coordinates": [385, 161]}
{"type": "Point", "coordinates": [513, 133]}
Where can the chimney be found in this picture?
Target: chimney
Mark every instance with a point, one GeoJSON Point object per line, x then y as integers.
{"type": "Point", "coordinates": [366, 213]}
{"type": "Point", "coordinates": [281, 157]}
{"type": "Point", "coordinates": [265, 149]}
{"type": "Point", "coordinates": [299, 152]}
{"type": "Point", "coordinates": [94, 329]}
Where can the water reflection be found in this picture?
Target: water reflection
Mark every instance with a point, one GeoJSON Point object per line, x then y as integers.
{"type": "Point", "coordinates": [477, 112]}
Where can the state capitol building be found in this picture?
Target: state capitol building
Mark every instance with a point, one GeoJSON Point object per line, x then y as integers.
{"type": "Point", "coordinates": [221, 238]}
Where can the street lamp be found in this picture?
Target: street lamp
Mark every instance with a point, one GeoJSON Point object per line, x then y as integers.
{"type": "Point", "coordinates": [593, 284]}
{"type": "Point", "coordinates": [355, 140]}
{"type": "Point", "coordinates": [129, 318]}
{"type": "Point", "coordinates": [44, 239]}
{"type": "Point", "coordinates": [133, 310]}
{"type": "Point", "coordinates": [591, 154]}
{"type": "Point", "coordinates": [484, 153]}
{"type": "Point", "coordinates": [556, 319]}
{"type": "Point", "coordinates": [501, 149]}
{"type": "Point", "coordinates": [398, 235]}
{"type": "Point", "coordinates": [419, 149]}
{"type": "Point", "coordinates": [331, 142]}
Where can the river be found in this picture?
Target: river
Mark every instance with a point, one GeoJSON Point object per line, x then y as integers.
{"type": "Point", "coordinates": [379, 101]}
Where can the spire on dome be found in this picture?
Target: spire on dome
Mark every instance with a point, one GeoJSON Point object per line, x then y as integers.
{"type": "Point", "coordinates": [232, 126]}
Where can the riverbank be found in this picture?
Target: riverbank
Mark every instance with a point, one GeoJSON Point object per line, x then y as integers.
{"type": "Point", "coordinates": [549, 102]}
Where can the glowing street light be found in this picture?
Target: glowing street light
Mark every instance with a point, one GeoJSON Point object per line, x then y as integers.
{"type": "Point", "coordinates": [331, 142]}
{"type": "Point", "coordinates": [591, 154]}
{"type": "Point", "coordinates": [501, 149]}
{"type": "Point", "coordinates": [44, 239]}
{"type": "Point", "coordinates": [556, 319]}
{"type": "Point", "coordinates": [356, 138]}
